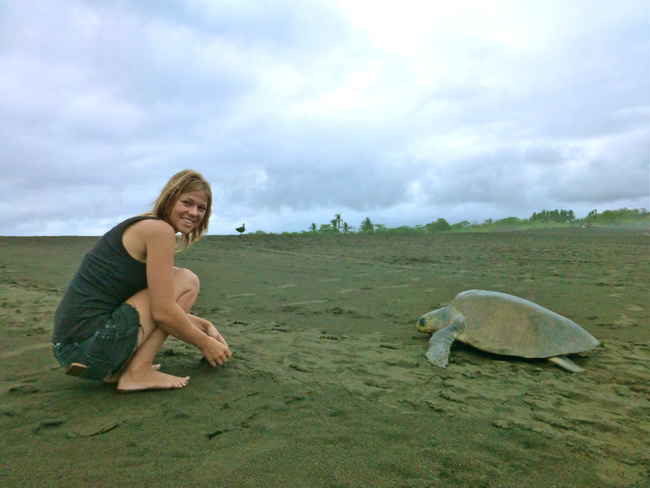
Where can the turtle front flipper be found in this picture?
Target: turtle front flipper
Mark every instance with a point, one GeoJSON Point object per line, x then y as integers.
{"type": "Point", "coordinates": [440, 342]}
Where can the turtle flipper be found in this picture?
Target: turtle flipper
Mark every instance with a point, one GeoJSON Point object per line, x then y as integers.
{"type": "Point", "coordinates": [566, 363]}
{"type": "Point", "coordinates": [440, 342]}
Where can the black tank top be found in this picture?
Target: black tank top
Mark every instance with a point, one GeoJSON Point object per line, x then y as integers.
{"type": "Point", "coordinates": [107, 277]}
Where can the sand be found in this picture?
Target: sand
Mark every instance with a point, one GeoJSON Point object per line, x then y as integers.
{"type": "Point", "coordinates": [329, 385]}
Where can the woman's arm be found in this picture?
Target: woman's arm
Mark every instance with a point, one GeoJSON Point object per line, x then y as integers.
{"type": "Point", "coordinates": [160, 245]}
{"type": "Point", "coordinates": [207, 327]}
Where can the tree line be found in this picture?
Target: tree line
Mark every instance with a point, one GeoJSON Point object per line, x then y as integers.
{"type": "Point", "coordinates": [543, 219]}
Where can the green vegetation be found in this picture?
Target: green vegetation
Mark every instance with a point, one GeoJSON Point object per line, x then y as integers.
{"type": "Point", "coordinates": [546, 219]}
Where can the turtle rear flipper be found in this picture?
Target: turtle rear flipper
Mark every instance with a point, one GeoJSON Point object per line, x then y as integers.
{"type": "Point", "coordinates": [565, 363]}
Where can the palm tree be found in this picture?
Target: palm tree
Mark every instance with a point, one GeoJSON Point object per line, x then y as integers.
{"type": "Point", "coordinates": [367, 225]}
{"type": "Point", "coordinates": [336, 222]}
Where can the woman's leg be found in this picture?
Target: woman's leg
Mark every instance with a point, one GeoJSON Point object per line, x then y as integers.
{"type": "Point", "coordinates": [140, 373]}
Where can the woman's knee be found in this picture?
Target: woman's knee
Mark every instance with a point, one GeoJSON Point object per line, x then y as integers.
{"type": "Point", "coordinates": [186, 281]}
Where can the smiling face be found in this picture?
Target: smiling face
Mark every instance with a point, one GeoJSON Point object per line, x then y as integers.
{"type": "Point", "coordinates": [188, 211]}
{"type": "Point", "coordinates": [186, 204]}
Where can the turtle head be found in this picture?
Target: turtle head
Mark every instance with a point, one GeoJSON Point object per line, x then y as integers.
{"type": "Point", "coordinates": [433, 321]}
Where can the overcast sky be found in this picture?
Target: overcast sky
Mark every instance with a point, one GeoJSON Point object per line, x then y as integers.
{"type": "Point", "coordinates": [295, 110]}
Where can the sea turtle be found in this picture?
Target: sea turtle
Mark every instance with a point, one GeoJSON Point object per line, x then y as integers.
{"type": "Point", "coordinates": [504, 324]}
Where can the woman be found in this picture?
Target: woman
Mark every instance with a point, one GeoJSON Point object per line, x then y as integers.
{"type": "Point", "coordinates": [127, 297]}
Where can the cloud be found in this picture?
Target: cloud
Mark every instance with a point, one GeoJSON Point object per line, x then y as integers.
{"type": "Point", "coordinates": [299, 110]}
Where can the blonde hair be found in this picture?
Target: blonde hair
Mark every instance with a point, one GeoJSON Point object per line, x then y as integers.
{"type": "Point", "coordinates": [184, 182]}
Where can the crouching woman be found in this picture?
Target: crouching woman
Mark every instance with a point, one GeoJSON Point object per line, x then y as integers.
{"type": "Point", "coordinates": [127, 296]}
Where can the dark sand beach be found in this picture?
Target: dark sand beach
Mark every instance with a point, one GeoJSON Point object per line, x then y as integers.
{"type": "Point", "coordinates": [328, 385]}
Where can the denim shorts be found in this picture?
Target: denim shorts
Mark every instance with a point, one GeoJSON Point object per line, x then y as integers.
{"type": "Point", "coordinates": [108, 349]}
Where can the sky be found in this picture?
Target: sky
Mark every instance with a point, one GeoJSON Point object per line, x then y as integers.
{"type": "Point", "coordinates": [298, 110]}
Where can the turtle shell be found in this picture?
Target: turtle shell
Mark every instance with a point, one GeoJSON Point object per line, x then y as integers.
{"type": "Point", "coordinates": [504, 324]}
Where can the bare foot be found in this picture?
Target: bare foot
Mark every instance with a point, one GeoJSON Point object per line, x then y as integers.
{"type": "Point", "coordinates": [114, 378]}
{"type": "Point", "coordinates": [148, 378]}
